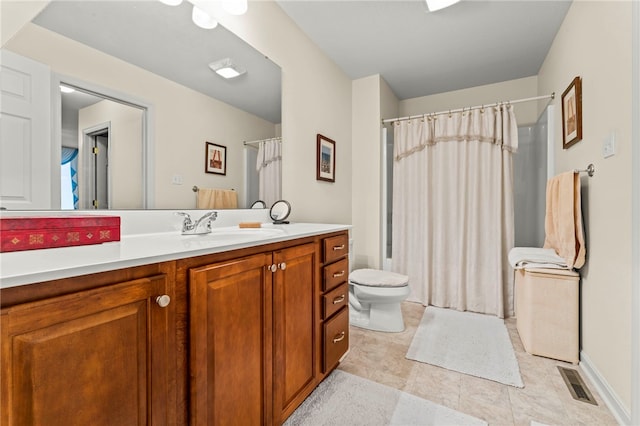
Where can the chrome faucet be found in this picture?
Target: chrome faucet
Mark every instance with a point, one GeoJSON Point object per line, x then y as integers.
{"type": "Point", "coordinates": [200, 226]}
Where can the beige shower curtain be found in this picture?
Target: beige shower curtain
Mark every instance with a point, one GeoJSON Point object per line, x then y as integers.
{"type": "Point", "coordinates": [453, 208]}
{"type": "Point", "coordinates": [269, 165]}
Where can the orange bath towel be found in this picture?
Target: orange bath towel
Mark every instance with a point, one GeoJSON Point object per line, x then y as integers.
{"type": "Point", "coordinates": [216, 199]}
{"type": "Point", "coordinates": [563, 219]}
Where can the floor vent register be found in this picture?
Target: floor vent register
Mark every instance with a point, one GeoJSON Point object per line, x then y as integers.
{"type": "Point", "coordinates": [579, 391]}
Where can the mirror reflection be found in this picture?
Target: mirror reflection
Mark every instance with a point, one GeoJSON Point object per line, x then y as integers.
{"type": "Point", "coordinates": [175, 101]}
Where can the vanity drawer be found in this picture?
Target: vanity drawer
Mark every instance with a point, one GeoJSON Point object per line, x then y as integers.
{"type": "Point", "coordinates": [336, 339]}
{"type": "Point", "coordinates": [335, 300]}
{"type": "Point", "coordinates": [335, 247]}
{"type": "Point", "coordinates": [335, 274]}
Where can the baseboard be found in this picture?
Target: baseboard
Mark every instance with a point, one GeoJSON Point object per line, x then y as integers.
{"type": "Point", "coordinates": [609, 396]}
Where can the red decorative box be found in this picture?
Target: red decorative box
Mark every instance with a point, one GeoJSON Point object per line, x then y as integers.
{"type": "Point", "coordinates": [31, 233]}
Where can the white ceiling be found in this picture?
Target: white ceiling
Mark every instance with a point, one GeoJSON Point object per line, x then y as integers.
{"type": "Point", "coordinates": [163, 39]}
{"type": "Point", "coordinates": [419, 53]}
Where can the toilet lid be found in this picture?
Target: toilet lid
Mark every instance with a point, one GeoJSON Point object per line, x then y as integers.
{"type": "Point", "coordinates": [378, 278]}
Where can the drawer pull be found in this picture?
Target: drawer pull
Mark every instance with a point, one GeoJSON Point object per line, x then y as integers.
{"type": "Point", "coordinates": [336, 248]}
{"type": "Point", "coordinates": [339, 299]}
{"type": "Point", "coordinates": [338, 274]}
{"type": "Point", "coordinates": [339, 337]}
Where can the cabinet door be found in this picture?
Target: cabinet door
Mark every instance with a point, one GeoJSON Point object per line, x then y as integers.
{"type": "Point", "coordinates": [96, 357]}
{"type": "Point", "coordinates": [230, 342]}
{"type": "Point", "coordinates": [294, 339]}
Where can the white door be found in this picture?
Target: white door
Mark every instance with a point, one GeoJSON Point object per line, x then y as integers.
{"type": "Point", "coordinates": [25, 133]}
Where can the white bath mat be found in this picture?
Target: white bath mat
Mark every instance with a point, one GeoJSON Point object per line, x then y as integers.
{"type": "Point", "coordinates": [467, 342]}
{"type": "Point", "coordinates": [344, 399]}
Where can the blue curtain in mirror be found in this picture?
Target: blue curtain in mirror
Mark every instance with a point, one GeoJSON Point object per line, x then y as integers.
{"type": "Point", "coordinates": [70, 176]}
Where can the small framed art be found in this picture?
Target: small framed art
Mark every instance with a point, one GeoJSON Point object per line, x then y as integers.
{"type": "Point", "coordinates": [216, 159]}
{"type": "Point", "coordinates": [326, 159]}
{"type": "Point", "coordinates": [572, 114]}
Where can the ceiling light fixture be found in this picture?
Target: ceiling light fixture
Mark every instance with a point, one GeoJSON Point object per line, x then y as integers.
{"type": "Point", "coordinates": [235, 7]}
{"type": "Point", "coordinates": [171, 2]}
{"type": "Point", "coordinates": [434, 5]}
{"type": "Point", "coordinates": [226, 68]}
{"type": "Point", "coordinates": [203, 19]}
{"type": "Point", "coordinates": [67, 89]}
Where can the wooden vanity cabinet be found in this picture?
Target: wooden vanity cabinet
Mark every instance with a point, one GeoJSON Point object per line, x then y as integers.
{"type": "Point", "coordinates": [231, 342]}
{"type": "Point", "coordinates": [100, 356]}
{"type": "Point", "coordinates": [252, 342]}
{"type": "Point", "coordinates": [295, 352]}
{"type": "Point", "coordinates": [246, 337]}
{"type": "Point", "coordinates": [333, 322]}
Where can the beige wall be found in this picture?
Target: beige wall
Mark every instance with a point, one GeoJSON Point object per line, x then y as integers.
{"type": "Point", "coordinates": [526, 113]}
{"type": "Point", "coordinates": [594, 42]}
{"type": "Point", "coordinates": [366, 172]}
{"type": "Point", "coordinates": [373, 100]}
{"type": "Point", "coordinates": [316, 98]}
{"type": "Point", "coordinates": [125, 152]}
{"type": "Point", "coordinates": [184, 119]}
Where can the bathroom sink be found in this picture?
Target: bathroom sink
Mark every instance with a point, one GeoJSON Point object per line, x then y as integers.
{"type": "Point", "coordinates": [247, 232]}
{"type": "Point", "coordinates": [234, 233]}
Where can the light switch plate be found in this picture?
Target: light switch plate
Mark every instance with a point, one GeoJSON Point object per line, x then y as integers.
{"type": "Point", "coordinates": [176, 180]}
{"type": "Point", "coordinates": [609, 146]}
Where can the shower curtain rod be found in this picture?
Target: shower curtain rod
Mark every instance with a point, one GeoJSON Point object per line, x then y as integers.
{"type": "Point", "coordinates": [279, 138]}
{"type": "Point", "coordinates": [517, 101]}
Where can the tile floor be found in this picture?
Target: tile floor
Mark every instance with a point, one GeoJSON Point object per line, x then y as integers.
{"type": "Point", "coordinates": [544, 399]}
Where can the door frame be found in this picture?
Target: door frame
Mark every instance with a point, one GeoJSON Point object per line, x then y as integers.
{"type": "Point", "coordinates": [148, 128]}
{"type": "Point", "coordinates": [635, 213]}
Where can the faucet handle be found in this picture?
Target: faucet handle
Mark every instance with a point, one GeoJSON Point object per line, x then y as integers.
{"type": "Point", "coordinates": [187, 223]}
{"type": "Point", "coordinates": [187, 217]}
{"type": "Point", "coordinates": [208, 218]}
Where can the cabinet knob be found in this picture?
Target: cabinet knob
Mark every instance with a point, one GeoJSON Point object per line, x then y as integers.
{"type": "Point", "coordinates": [273, 267]}
{"type": "Point", "coordinates": [282, 266]}
{"type": "Point", "coordinates": [339, 337]}
{"type": "Point", "coordinates": [163, 301]}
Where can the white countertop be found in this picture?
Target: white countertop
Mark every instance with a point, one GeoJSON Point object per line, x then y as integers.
{"type": "Point", "coordinates": [27, 267]}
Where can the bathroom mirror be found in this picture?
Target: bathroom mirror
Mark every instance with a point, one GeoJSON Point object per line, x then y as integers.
{"type": "Point", "coordinates": [280, 210]}
{"type": "Point", "coordinates": [167, 69]}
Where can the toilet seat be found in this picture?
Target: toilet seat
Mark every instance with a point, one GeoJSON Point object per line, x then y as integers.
{"type": "Point", "coordinates": [375, 297]}
{"type": "Point", "coordinates": [377, 278]}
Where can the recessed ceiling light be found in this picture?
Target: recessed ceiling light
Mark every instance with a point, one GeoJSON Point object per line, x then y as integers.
{"type": "Point", "coordinates": [226, 68]}
{"type": "Point", "coordinates": [67, 89]}
{"type": "Point", "coordinates": [171, 2]}
{"type": "Point", "coordinates": [434, 5]}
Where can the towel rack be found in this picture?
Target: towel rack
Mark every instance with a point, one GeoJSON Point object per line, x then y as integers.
{"type": "Point", "coordinates": [590, 170]}
{"type": "Point", "coordinates": [196, 189]}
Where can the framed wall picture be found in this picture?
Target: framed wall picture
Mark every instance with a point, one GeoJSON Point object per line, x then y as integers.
{"type": "Point", "coordinates": [326, 159]}
{"type": "Point", "coordinates": [215, 159]}
{"type": "Point", "coordinates": [572, 114]}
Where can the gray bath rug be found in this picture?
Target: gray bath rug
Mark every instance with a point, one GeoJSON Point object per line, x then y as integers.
{"type": "Point", "coordinates": [467, 342]}
{"type": "Point", "coordinates": [343, 399]}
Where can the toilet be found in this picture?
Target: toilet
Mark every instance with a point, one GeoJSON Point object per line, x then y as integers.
{"type": "Point", "coordinates": [374, 299]}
